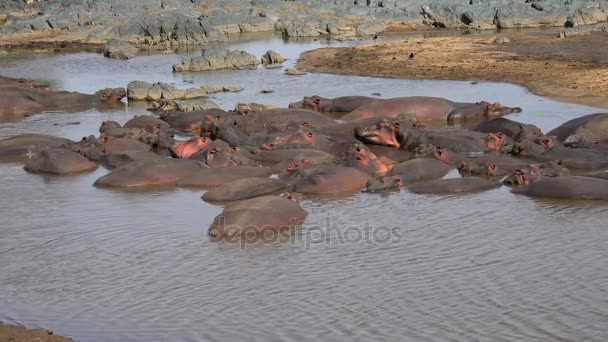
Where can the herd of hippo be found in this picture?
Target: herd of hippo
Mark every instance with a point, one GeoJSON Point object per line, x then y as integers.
{"type": "Point", "coordinates": [246, 159]}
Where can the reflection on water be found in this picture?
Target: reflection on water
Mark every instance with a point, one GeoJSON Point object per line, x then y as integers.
{"type": "Point", "coordinates": [103, 265]}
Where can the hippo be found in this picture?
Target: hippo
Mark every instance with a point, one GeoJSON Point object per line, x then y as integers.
{"type": "Point", "coordinates": [120, 158]}
{"type": "Point", "coordinates": [602, 175]}
{"type": "Point", "coordinates": [158, 138]}
{"type": "Point", "coordinates": [58, 161]}
{"type": "Point", "coordinates": [418, 170]}
{"type": "Point", "coordinates": [153, 172]}
{"type": "Point", "coordinates": [527, 174]}
{"type": "Point", "coordinates": [384, 184]}
{"type": "Point", "coordinates": [277, 156]}
{"type": "Point", "coordinates": [576, 158]}
{"type": "Point", "coordinates": [111, 146]}
{"type": "Point", "coordinates": [262, 217]}
{"type": "Point", "coordinates": [393, 134]}
{"type": "Point", "coordinates": [192, 121]}
{"type": "Point", "coordinates": [360, 157]}
{"type": "Point", "coordinates": [213, 177]}
{"type": "Point", "coordinates": [259, 121]}
{"type": "Point", "coordinates": [390, 154]}
{"type": "Point", "coordinates": [566, 187]}
{"type": "Point", "coordinates": [431, 109]}
{"type": "Point", "coordinates": [453, 185]}
{"type": "Point", "coordinates": [344, 104]}
{"type": "Point", "coordinates": [17, 101]}
{"type": "Point", "coordinates": [19, 147]}
{"type": "Point", "coordinates": [147, 122]}
{"type": "Point", "coordinates": [245, 188]}
{"type": "Point", "coordinates": [188, 149]}
{"type": "Point", "coordinates": [24, 82]}
{"type": "Point", "coordinates": [588, 129]}
{"type": "Point", "coordinates": [332, 180]}
{"type": "Point", "coordinates": [512, 129]}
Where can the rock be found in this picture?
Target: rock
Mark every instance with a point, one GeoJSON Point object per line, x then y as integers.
{"type": "Point", "coordinates": [273, 66]}
{"type": "Point", "coordinates": [272, 57]}
{"type": "Point", "coordinates": [498, 40]}
{"type": "Point", "coordinates": [266, 91]}
{"type": "Point", "coordinates": [119, 49]}
{"type": "Point", "coordinates": [294, 72]}
{"type": "Point", "coordinates": [187, 105]}
{"type": "Point", "coordinates": [216, 59]}
{"type": "Point", "coordinates": [138, 90]}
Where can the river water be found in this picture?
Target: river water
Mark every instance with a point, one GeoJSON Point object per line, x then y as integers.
{"type": "Point", "coordinates": [106, 265]}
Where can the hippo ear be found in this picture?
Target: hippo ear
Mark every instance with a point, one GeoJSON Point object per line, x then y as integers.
{"type": "Point", "coordinates": [309, 134]}
{"type": "Point", "coordinates": [396, 125]}
{"type": "Point", "coordinates": [397, 181]}
{"type": "Point", "coordinates": [497, 105]}
{"type": "Point", "coordinates": [306, 161]}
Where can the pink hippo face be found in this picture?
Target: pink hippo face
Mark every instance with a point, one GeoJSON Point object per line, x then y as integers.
{"type": "Point", "coordinates": [111, 95]}
{"type": "Point", "coordinates": [382, 133]}
{"type": "Point", "coordinates": [187, 149]}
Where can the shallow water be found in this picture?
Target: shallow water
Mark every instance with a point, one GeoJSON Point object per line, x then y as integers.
{"type": "Point", "coordinates": [103, 265]}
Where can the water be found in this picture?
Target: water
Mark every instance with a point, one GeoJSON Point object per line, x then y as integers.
{"type": "Point", "coordinates": [104, 265]}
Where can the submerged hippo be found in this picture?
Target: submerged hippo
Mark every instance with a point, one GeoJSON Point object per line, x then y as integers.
{"type": "Point", "coordinates": [576, 158]}
{"type": "Point", "coordinates": [19, 147]}
{"type": "Point", "coordinates": [453, 185]}
{"type": "Point", "coordinates": [431, 109]}
{"type": "Point", "coordinates": [261, 217]}
{"type": "Point", "coordinates": [192, 121]}
{"type": "Point", "coordinates": [19, 101]}
{"type": "Point", "coordinates": [512, 129]}
{"type": "Point", "coordinates": [418, 170]}
{"type": "Point", "coordinates": [260, 121]}
{"type": "Point", "coordinates": [58, 161]}
{"type": "Point", "coordinates": [344, 104]}
{"type": "Point", "coordinates": [566, 187]}
{"type": "Point", "coordinates": [24, 82]}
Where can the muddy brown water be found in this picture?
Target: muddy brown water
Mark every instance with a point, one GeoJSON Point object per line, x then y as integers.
{"type": "Point", "coordinates": [104, 265]}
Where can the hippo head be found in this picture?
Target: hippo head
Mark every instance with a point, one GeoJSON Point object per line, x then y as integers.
{"type": "Point", "coordinates": [442, 155]}
{"type": "Point", "coordinates": [111, 95]}
{"type": "Point", "coordinates": [104, 138]}
{"type": "Point", "coordinates": [546, 142]}
{"type": "Point", "coordinates": [87, 141]}
{"type": "Point", "coordinates": [549, 169]}
{"type": "Point", "coordinates": [292, 196]}
{"type": "Point", "coordinates": [496, 109]}
{"type": "Point", "coordinates": [384, 184]}
{"type": "Point", "coordinates": [494, 141]}
{"type": "Point", "coordinates": [219, 157]}
{"type": "Point", "coordinates": [187, 149]}
{"type": "Point", "coordinates": [470, 168]}
{"type": "Point", "coordinates": [519, 177]}
{"type": "Point", "coordinates": [300, 136]}
{"type": "Point", "coordinates": [360, 157]}
{"type": "Point", "coordinates": [312, 102]}
{"type": "Point", "coordinates": [382, 133]}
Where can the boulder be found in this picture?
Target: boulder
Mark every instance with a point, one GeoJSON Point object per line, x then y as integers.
{"type": "Point", "coordinates": [217, 59]}
{"type": "Point", "coordinates": [272, 57]}
{"type": "Point", "coordinates": [119, 49]}
{"type": "Point", "coordinates": [186, 105]}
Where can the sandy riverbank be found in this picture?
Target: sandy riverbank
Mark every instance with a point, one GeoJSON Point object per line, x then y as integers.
{"type": "Point", "coordinates": [20, 334]}
{"type": "Point", "coordinates": [572, 69]}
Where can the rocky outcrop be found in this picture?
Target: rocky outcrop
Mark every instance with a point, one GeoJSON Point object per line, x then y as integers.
{"type": "Point", "coordinates": [217, 59]}
{"type": "Point", "coordinates": [272, 57]}
{"type": "Point", "coordinates": [171, 23]}
{"type": "Point", "coordinates": [139, 91]}
{"type": "Point", "coordinates": [119, 49]}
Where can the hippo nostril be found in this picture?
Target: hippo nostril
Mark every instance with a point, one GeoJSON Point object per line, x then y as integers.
{"type": "Point", "coordinates": [234, 122]}
{"type": "Point", "coordinates": [309, 134]}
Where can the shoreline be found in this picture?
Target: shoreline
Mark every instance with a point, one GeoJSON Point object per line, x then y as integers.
{"type": "Point", "coordinates": [572, 69]}
{"type": "Point", "coordinates": [16, 333]}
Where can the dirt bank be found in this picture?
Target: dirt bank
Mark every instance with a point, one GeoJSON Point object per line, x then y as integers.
{"type": "Point", "coordinates": [572, 69]}
{"type": "Point", "coordinates": [20, 334]}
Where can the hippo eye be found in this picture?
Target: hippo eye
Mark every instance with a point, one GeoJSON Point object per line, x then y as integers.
{"type": "Point", "coordinates": [396, 124]}
{"type": "Point", "coordinates": [213, 151]}
{"type": "Point", "coordinates": [305, 124]}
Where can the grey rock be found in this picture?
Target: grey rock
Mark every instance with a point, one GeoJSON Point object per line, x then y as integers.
{"type": "Point", "coordinates": [187, 105]}
{"type": "Point", "coordinates": [272, 57]}
{"type": "Point", "coordinates": [216, 59]}
{"type": "Point", "coordinates": [119, 49]}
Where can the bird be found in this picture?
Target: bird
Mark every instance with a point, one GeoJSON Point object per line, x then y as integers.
{"type": "Point", "coordinates": [412, 55]}
{"type": "Point", "coordinates": [375, 36]}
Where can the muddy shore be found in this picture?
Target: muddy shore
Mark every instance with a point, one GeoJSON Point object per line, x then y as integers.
{"type": "Point", "coordinates": [572, 69]}
{"type": "Point", "coordinates": [14, 333]}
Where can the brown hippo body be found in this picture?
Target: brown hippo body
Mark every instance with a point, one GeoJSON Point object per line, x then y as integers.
{"type": "Point", "coordinates": [566, 187]}
{"type": "Point", "coordinates": [430, 109]}
{"type": "Point", "coordinates": [192, 121]}
{"type": "Point", "coordinates": [259, 121]}
{"type": "Point", "coordinates": [17, 101]}
{"type": "Point", "coordinates": [577, 158]}
{"type": "Point", "coordinates": [510, 128]}
{"type": "Point", "coordinates": [258, 217]}
{"type": "Point", "coordinates": [23, 82]}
